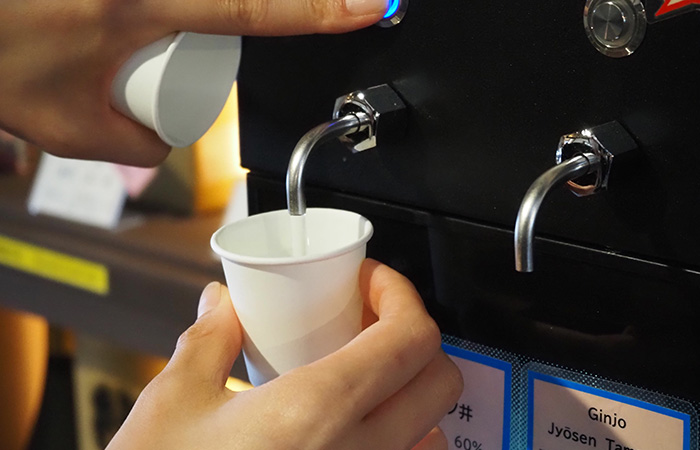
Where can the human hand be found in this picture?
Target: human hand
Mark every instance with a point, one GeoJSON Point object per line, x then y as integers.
{"type": "Point", "coordinates": [59, 59]}
{"type": "Point", "coordinates": [387, 389]}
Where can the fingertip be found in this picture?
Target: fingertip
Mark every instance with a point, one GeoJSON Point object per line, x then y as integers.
{"type": "Point", "coordinates": [373, 270]}
{"type": "Point", "coordinates": [375, 8]}
{"type": "Point", "coordinates": [145, 149]}
{"type": "Point", "coordinates": [270, 17]}
{"type": "Point", "coordinates": [210, 298]}
{"type": "Point", "coordinates": [207, 349]}
{"type": "Point", "coordinates": [434, 440]}
{"type": "Point", "coordinates": [367, 269]}
{"type": "Point", "coordinates": [452, 379]}
{"type": "Point", "coordinates": [151, 155]}
{"type": "Point", "coordinates": [370, 263]}
{"type": "Point", "coordinates": [136, 144]}
{"type": "Point", "coordinates": [380, 282]}
{"type": "Point", "coordinates": [371, 267]}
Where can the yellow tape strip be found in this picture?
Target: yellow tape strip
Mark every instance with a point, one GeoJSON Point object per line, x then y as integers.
{"type": "Point", "coordinates": [54, 265]}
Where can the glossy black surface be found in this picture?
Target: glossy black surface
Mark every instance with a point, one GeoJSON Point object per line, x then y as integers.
{"type": "Point", "coordinates": [491, 86]}
{"type": "Point", "coordinates": [626, 319]}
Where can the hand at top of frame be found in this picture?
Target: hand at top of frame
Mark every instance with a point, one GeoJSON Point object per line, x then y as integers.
{"type": "Point", "coordinates": [58, 59]}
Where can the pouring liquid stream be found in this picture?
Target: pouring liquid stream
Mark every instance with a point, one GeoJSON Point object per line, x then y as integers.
{"type": "Point", "coordinates": [299, 236]}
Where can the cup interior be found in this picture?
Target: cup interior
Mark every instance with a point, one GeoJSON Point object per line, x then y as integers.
{"type": "Point", "coordinates": [196, 81]}
{"type": "Point", "coordinates": [267, 238]}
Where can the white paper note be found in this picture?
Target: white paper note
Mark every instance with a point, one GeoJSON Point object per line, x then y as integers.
{"type": "Point", "coordinates": [89, 192]}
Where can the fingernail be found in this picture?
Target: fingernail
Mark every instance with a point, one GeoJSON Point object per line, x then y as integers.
{"type": "Point", "coordinates": [366, 7]}
{"type": "Point", "coordinates": [211, 296]}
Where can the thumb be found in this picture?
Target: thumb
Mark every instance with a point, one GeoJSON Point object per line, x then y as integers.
{"type": "Point", "coordinates": [435, 440]}
{"type": "Point", "coordinates": [269, 17]}
{"type": "Point", "coordinates": [205, 352]}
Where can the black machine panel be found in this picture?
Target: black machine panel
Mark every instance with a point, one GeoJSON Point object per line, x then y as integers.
{"type": "Point", "coordinates": [490, 88]}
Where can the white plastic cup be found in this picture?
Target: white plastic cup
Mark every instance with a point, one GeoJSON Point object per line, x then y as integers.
{"type": "Point", "coordinates": [178, 85]}
{"type": "Point", "coordinates": [294, 309]}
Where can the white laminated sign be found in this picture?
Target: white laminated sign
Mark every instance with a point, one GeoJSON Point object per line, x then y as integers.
{"type": "Point", "coordinates": [566, 415]}
{"type": "Point", "coordinates": [480, 420]}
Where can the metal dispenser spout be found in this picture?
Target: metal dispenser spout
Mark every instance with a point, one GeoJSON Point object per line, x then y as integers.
{"type": "Point", "coordinates": [360, 119]}
{"type": "Point", "coordinates": [587, 156]}
{"type": "Point", "coordinates": [575, 167]}
{"type": "Point", "coordinates": [352, 123]}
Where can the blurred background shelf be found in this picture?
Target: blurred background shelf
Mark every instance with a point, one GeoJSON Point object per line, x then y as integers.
{"type": "Point", "coordinates": [158, 265]}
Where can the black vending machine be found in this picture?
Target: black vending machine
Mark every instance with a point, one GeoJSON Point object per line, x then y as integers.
{"type": "Point", "coordinates": [544, 198]}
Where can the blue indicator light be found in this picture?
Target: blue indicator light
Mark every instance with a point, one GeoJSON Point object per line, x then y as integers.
{"type": "Point", "coordinates": [392, 8]}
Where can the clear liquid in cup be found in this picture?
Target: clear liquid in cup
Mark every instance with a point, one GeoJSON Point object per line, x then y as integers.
{"type": "Point", "coordinates": [300, 238]}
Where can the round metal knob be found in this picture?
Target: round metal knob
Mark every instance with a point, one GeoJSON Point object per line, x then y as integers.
{"type": "Point", "coordinates": [609, 22]}
{"type": "Point", "coordinates": [616, 28]}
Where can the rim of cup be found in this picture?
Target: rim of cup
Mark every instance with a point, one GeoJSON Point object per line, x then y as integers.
{"type": "Point", "coordinates": [288, 260]}
{"type": "Point", "coordinates": [155, 113]}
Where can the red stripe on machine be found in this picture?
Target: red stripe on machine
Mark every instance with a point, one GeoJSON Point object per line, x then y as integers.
{"type": "Point", "coordinates": [674, 5]}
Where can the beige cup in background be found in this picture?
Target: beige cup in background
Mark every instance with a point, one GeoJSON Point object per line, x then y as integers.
{"type": "Point", "coordinates": [178, 85]}
{"type": "Point", "coordinates": [294, 309]}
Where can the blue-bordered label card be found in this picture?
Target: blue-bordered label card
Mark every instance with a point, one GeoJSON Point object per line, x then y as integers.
{"type": "Point", "coordinates": [480, 420]}
{"type": "Point", "coordinates": [565, 414]}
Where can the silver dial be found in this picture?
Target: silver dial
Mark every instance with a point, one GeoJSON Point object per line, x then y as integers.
{"type": "Point", "coordinates": [616, 28]}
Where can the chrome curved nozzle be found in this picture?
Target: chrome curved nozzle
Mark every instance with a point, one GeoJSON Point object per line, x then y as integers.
{"type": "Point", "coordinates": [349, 124]}
{"type": "Point", "coordinates": [361, 119]}
{"type": "Point", "coordinates": [570, 169]}
{"type": "Point", "coordinates": [590, 151]}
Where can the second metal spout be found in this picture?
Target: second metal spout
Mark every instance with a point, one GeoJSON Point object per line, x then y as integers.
{"type": "Point", "coordinates": [570, 169]}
